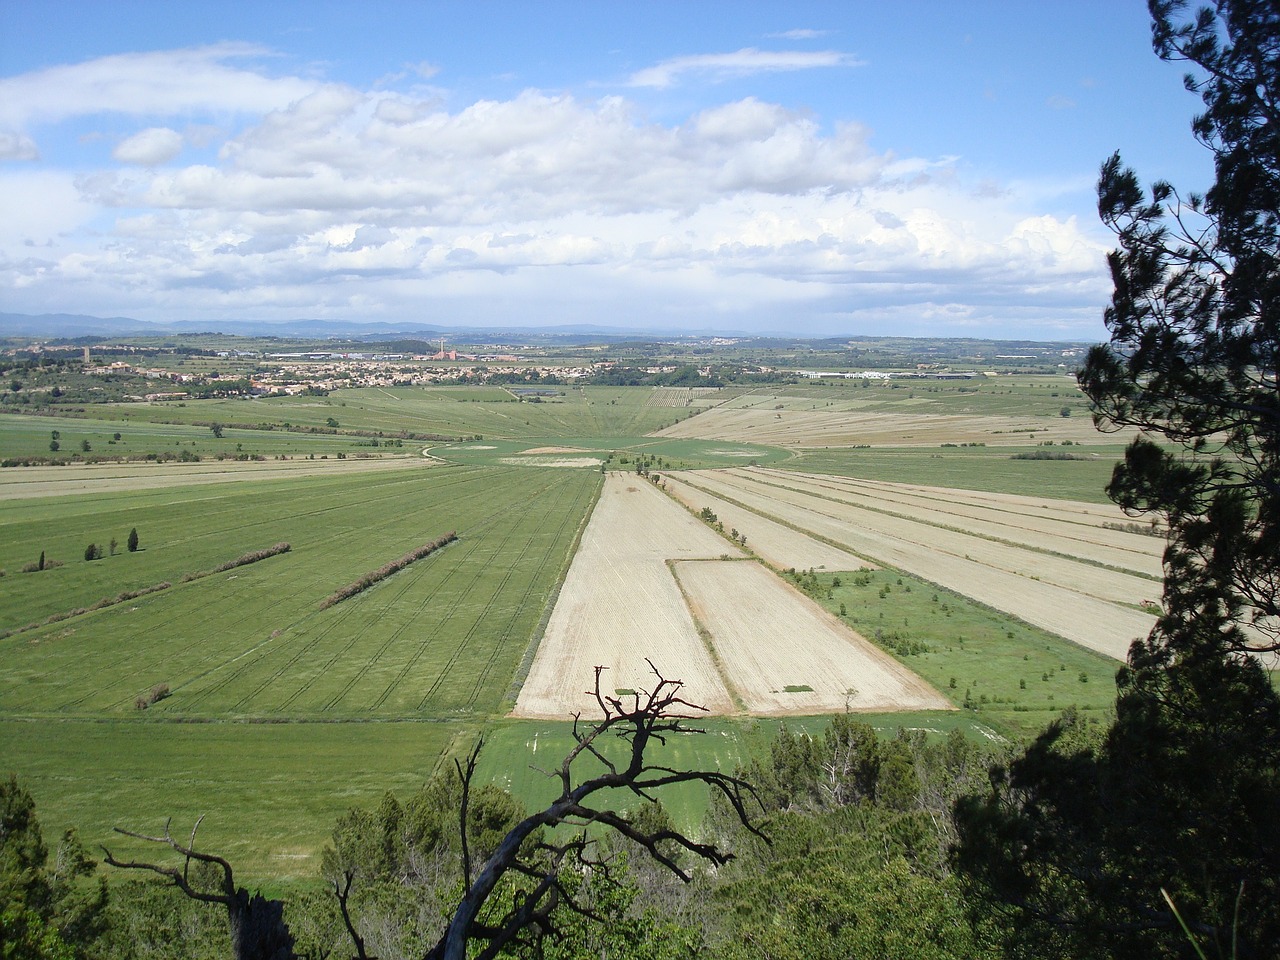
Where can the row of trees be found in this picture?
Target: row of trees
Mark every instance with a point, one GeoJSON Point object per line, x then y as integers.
{"type": "Point", "coordinates": [94, 550]}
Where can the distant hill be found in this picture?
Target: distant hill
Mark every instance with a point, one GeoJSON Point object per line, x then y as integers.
{"type": "Point", "coordinates": [66, 325]}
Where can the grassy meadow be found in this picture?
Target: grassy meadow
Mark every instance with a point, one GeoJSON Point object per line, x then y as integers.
{"type": "Point", "coordinates": [280, 714]}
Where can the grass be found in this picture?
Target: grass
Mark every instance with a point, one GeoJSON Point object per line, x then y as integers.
{"type": "Point", "coordinates": [519, 755]}
{"type": "Point", "coordinates": [270, 793]}
{"type": "Point", "coordinates": [1011, 675]}
{"type": "Point", "coordinates": [441, 638]}
{"type": "Point", "coordinates": [989, 469]}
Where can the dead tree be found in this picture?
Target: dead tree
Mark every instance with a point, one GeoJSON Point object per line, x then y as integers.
{"type": "Point", "coordinates": [258, 929]}
{"type": "Point", "coordinates": [646, 718]}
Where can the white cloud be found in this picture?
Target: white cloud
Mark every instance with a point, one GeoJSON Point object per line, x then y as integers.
{"type": "Point", "coordinates": [163, 82]}
{"type": "Point", "coordinates": [800, 34]}
{"type": "Point", "coordinates": [150, 147]}
{"type": "Point", "coordinates": [17, 146]}
{"type": "Point", "coordinates": [37, 207]}
{"type": "Point", "coordinates": [333, 199]}
{"type": "Point", "coordinates": [740, 63]}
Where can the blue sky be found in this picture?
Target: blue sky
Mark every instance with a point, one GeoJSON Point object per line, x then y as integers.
{"type": "Point", "coordinates": [841, 168]}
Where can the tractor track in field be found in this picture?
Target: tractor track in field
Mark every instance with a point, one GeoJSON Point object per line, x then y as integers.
{"type": "Point", "coordinates": [457, 652]}
{"type": "Point", "coordinates": [524, 599]}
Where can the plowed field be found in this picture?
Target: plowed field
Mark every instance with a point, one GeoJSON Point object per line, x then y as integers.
{"type": "Point", "coordinates": [773, 542]}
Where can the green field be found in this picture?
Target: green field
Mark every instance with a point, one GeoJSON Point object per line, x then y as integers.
{"type": "Point", "coordinates": [1013, 676]}
{"type": "Point", "coordinates": [991, 469]}
{"type": "Point", "coordinates": [441, 638]}
{"type": "Point", "coordinates": [269, 792]}
{"type": "Point", "coordinates": [280, 714]}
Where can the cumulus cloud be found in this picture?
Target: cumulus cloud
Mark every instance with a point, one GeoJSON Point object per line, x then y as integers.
{"type": "Point", "coordinates": [333, 200]}
{"type": "Point", "coordinates": [150, 147]}
{"type": "Point", "coordinates": [17, 146]}
{"type": "Point", "coordinates": [741, 63]}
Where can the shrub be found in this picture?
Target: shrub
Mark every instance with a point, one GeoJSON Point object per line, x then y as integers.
{"type": "Point", "coordinates": [386, 570]}
{"type": "Point", "coordinates": [157, 693]}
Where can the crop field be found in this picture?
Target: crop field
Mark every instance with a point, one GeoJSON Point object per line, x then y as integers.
{"type": "Point", "coordinates": [620, 604]}
{"type": "Point", "coordinates": [103, 478]}
{"type": "Point", "coordinates": [446, 411]}
{"type": "Point", "coordinates": [441, 638]}
{"type": "Point", "coordinates": [781, 425]}
{"type": "Point", "coordinates": [1041, 563]}
{"type": "Point", "coordinates": [777, 544]}
{"type": "Point", "coordinates": [140, 436]}
{"type": "Point", "coordinates": [651, 582]}
{"type": "Point", "coordinates": [783, 654]}
{"type": "Point", "coordinates": [277, 714]}
{"type": "Point", "coordinates": [992, 469]}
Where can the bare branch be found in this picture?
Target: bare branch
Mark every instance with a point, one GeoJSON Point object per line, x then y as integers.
{"type": "Point", "coordinates": [639, 720]}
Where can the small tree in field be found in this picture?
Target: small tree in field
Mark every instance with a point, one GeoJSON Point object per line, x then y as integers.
{"type": "Point", "coordinates": [133, 540]}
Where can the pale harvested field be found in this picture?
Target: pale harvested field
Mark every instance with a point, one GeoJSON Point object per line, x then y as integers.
{"type": "Point", "coordinates": [533, 451]}
{"type": "Point", "coordinates": [768, 637]}
{"type": "Point", "coordinates": [1074, 599]}
{"type": "Point", "coordinates": [620, 604]}
{"type": "Point", "coordinates": [843, 428]}
{"type": "Point", "coordinates": [1060, 526]}
{"type": "Point", "coordinates": [773, 542]}
{"type": "Point", "coordinates": [23, 482]}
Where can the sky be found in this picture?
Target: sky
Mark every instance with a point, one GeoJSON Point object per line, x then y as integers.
{"type": "Point", "coordinates": [914, 168]}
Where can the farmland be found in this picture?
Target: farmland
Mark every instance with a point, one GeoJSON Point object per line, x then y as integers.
{"type": "Point", "coordinates": [281, 713]}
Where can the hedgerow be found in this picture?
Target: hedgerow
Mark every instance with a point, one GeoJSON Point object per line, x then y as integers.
{"type": "Point", "coordinates": [386, 570]}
